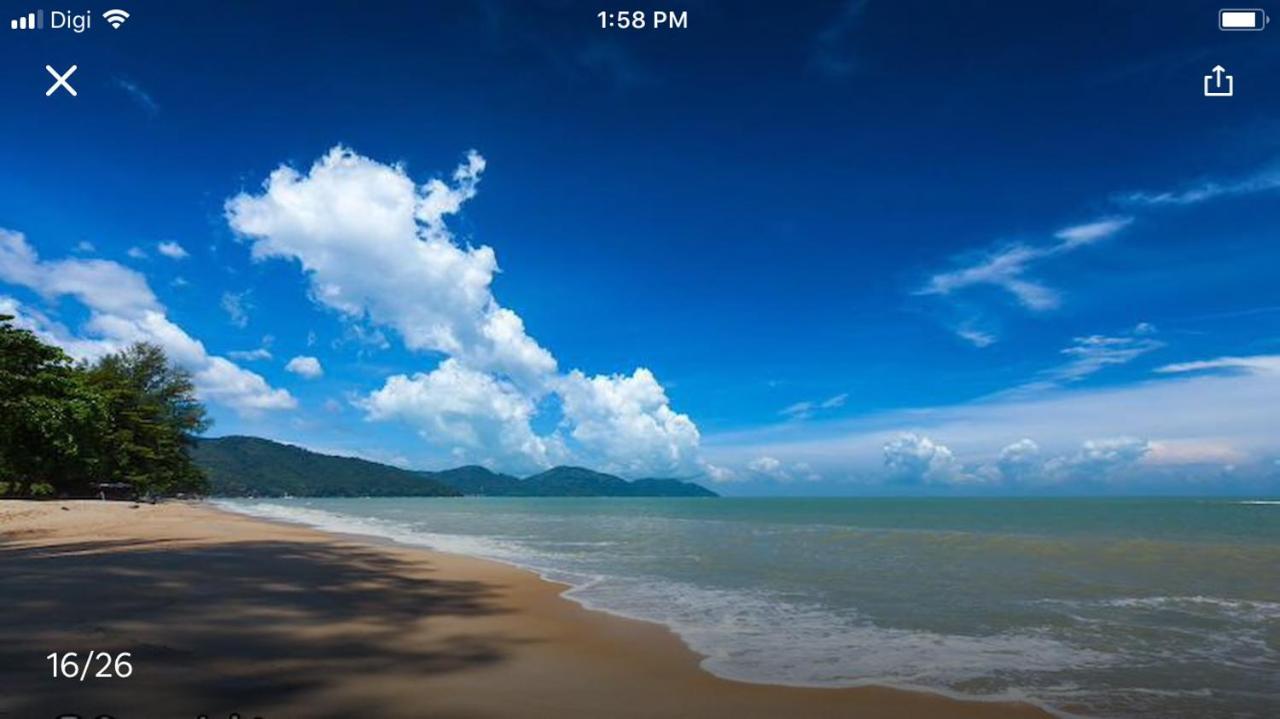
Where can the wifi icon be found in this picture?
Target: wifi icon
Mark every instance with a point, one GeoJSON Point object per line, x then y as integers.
{"type": "Point", "coordinates": [115, 18]}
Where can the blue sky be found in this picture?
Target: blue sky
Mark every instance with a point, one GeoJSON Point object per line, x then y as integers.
{"type": "Point", "coordinates": [841, 248]}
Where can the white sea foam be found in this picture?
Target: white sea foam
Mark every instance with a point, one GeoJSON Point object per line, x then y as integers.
{"type": "Point", "coordinates": [1243, 609]}
{"type": "Point", "coordinates": [748, 636]}
{"type": "Point", "coordinates": [757, 632]}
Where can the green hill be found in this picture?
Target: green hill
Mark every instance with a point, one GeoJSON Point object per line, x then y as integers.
{"type": "Point", "coordinates": [563, 482]}
{"type": "Point", "coordinates": [473, 480]}
{"type": "Point", "coordinates": [253, 467]}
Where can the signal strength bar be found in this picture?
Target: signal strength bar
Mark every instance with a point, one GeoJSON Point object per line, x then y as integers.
{"type": "Point", "coordinates": [30, 21]}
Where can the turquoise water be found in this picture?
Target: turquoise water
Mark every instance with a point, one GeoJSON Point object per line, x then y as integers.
{"type": "Point", "coordinates": [1095, 607]}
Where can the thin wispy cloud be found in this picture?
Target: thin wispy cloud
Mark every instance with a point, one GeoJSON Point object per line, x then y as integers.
{"type": "Point", "coordinates": [1094, 353]}
{"type": "Point", "coordinates": [1007, 267]}
{"type": "Point", "coordinates": [254, 355]}
{"type": "Point", "coordinates": [138, 95]}
{"type": "Point", "coordinates": [1044, 436]}
{"type": "Point", "coordinates": [1252, 364]}
{"type": "Point", "coordinates": [1090, 354]}
{"type": "Point", "coordinates": [1263, 181]}
{"type": "Point", "coordinates": [833, 54]}
{"type": "Point", "coordinates": [975, 337]}
{"type": "Point", "coordinates": [236, 305]}
{"type": "Point", "coordinates": [808, 408]}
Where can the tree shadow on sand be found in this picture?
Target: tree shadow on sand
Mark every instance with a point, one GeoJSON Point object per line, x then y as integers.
{"type": "Point", "coordinates": [246, 626]}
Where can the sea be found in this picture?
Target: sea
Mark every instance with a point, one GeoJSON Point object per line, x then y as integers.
{"type": "Point", "coordinates": [1088, 607]}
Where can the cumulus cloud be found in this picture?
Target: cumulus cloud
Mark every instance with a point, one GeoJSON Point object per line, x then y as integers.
{"type": "Point", "coordinates": [766, 467]}
{"type": "Point", "coordinates": [303, 366]}
{"type": "Point", "coordinates": [172, 250]}
{"type": "Point", "coordinates": [1019, 460]}
{"type": "Point", "coordinates": [1007, 267]}
{"type": "Point", "coordinates": [626, 423]}
{"type": "Point", "coordinates": [485, 418]}
{"type": "Point", "coordinates": [1097, 457]}
{"type": "Point", "coordinates": [770, 466]}
{"type": "Point", "coordinates": [1212, 411]}
{"type": "Point", "coordinates": [376, 248]}
{"type": "Point", "coordinates": [911, 457]}
{"type": "Point", "coordinates": [136, 253]}
{"type": "Point", "coordinates": [123, 310]}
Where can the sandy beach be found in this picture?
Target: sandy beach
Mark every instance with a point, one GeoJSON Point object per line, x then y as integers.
{"type": "Point", "coordinates": [225, 614]}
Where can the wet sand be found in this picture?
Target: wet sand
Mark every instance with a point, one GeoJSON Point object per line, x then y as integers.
{"type": "Point", "coordinates": [226, 614]}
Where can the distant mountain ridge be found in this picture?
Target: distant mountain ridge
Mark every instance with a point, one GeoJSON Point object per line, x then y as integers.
{"type": "Point", "coordinates": [253, 467]}
{"type": "Point", "coordinates": [562, 482]}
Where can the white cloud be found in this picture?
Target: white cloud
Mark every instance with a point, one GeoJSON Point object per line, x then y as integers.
{"type": "Point", "coordinates": [172, 250]}
{"type": "Point", "coordinates": [718, 474]}
{"type": "Point", "coordinates": [84, 247]}
{"type": "Point", "coordinates": [913, 458]}
{"type": "Point", "coordinates": [1097, 457]}
{"type": "Point", "coordinates": [1019, 460]}
{"type": "Point", "coordinates": [626, 423]}
{"type": "Point", "coordinates": [303, 366]}
{"type": "Point", "coordinates": [123, 310]}
{"type": "Point", "coordinates": [1090, 232]}
{"type": "Point", "coordinates": [1181, 414]}
{"type": "Point", "coordinates": [769, 467]}
{"type": "Point", "coordinates": [807, 408]}
{"type": "Point", "coordinates": [1263, 181]}
{"type": "Point", "coordinates": [764, 465]}
{"type": "Point", "coordinates": [136, 253]}
{"type": "Point", "coordinates": [977, 338]}
{"type": "Point", "coordinates": [1007, 267]}
{"type": "Point", "coordinates": [236, 305]}
{"type": "Point", "coordinates": [477, 416]}
{"type": "Point", "coordinates": [375, 248]}
{"type": "Point", "coordinates": [1095, 352]}
{"type": "Point", "coordinates": [1193, 452]}
{"type": "Point", "coordinates": [254, 355]}
{"type": "Point", "coordinates": [831, 52]}
{"type": "Point", "coordinates": [140, 96]}
{"type": "Point", "coordinates": [1254, 364]}
{"type": "Point", "coordinates": [374, 245]}
{"type": "Point", "coordinates": [836, 401]}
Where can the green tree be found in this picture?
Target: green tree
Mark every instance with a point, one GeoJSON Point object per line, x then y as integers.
{"type": "Point", "coordinates": [50, 418]}
{"type": "Point", "coordinates": [154, 417]}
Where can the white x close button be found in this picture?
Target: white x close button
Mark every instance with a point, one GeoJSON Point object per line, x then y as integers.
{"type": "Point", "coordinates": [61, 80]}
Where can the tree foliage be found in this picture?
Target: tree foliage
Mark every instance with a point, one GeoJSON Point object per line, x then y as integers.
{"type": "Point", "coordinates": [65, 429]}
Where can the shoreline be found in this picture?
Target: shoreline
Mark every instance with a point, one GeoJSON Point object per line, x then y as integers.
{"type": "Point", "coordinates": [501, 639]}
{"type": "Point", "coordinates": [567, 593]}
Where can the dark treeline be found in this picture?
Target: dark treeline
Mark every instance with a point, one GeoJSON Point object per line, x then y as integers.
{"type": "Point", "coordinates": [123, 424]}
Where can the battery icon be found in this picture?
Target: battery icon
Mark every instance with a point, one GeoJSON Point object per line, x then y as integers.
{"type": "Point", "coordinates": [1242, 19]}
